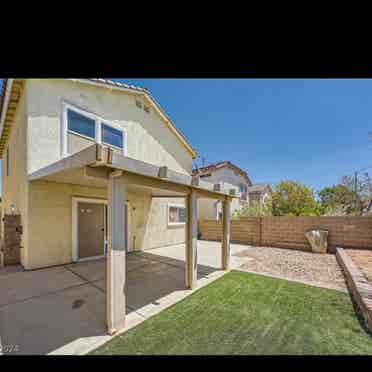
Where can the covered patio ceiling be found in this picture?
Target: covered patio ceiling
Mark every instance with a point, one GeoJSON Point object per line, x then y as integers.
{"type": "Point", "coordinates": [93, 165]}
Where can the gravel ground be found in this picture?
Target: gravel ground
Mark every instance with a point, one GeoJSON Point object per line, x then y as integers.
{"type": "Point", "coordinates": [363, 259]}
{"type": "Point", "coordinates": [319, 269]}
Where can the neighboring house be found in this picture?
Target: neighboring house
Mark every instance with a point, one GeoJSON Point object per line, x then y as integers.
{"type": "Point", "coordinates": [91, 168]}
{"type": "Point", "coordinates": [226, 176]}
{"type": "Point", "coordinates": [259, 193]}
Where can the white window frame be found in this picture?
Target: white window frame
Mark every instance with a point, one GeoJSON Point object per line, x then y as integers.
{"type": "Point", "coordinates": [168, 214]}
{"type": "Point", "coordinates": [117, 127]}
{"type": "Point", "coordinates": [98, 129]}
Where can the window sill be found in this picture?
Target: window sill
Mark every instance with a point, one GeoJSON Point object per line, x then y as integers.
{"type": "Point", "coordinates": [176, 224]}
{"type": "Point", "coordinates": [69, 131]}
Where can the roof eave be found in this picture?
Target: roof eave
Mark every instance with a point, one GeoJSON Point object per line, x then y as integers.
{"type": "Point", "coordinates": [8, 88]}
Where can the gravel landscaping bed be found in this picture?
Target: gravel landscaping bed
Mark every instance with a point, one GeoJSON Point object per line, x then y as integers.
{"type": "Point", "coordinates": [363, 259]}
{"type": "Point", "coordinates": [319, 269]}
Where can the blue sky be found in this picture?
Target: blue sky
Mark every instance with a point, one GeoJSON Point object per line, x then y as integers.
{"type": "Point", "coordinates": [313, 130]}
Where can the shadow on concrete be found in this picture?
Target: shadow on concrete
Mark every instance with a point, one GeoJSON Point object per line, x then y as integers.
{"type": "Point", "coordinates": [160, 277]}
{"type": "Point", "coordinates": [44, 310]}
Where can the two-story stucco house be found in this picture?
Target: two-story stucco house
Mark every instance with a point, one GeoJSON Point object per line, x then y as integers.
{"type": "Point", "coordinates": [95, 168]}
{"type": "Point", "coordinates": [226, 176]}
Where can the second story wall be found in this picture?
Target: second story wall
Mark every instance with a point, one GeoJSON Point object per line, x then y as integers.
{"type": "Point", "coordinates": [226, 175]}
{"type": "Point", "coordinates": [147, 136]}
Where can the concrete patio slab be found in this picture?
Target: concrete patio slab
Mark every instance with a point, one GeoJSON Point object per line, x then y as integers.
{"type": "Point", "coordinates": [61, 310]}
{"type": "Point", "coordinates": [10, 269]}
{"type": "Point", "coordinates": [209, 255]}
{"type": "Point", "coordinates": [42, 324]}
{"type": "Point", "coordinates": [89, 270]}
{"type": "Point", "coordinates": [22, 285]}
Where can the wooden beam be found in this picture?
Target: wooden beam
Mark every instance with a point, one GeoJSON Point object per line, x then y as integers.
{"type": "Point", "coordinates": [77, 160]}
{"type": "Point", "coordinates": [211, 194]}
{"type": "Point", "coordinates": [167, 196]}
{"type": "Point", "coordinates": [116, 256]}
{"type": "Point", "coordinates": [191, 241]}
{"type": "Point", "coordinates": [137, 179]}
{"type": "Point", "coordinates": [226, 235]}
{"type": "Point", "coordinates": [137, 166]}
{"type": "Point", "coordinates": [96, 172]}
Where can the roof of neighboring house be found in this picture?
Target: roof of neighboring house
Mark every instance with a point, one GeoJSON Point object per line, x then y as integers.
{"type": "Point", "coordinates": [259, 187]}
{"type": "Point", "coordinates": [219, 165]}
{"type": "Point", "coordinates": [103, 83]}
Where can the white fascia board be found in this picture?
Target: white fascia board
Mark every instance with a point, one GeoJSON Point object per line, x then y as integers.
{"type": "Point", "coordinates": [8, 89]}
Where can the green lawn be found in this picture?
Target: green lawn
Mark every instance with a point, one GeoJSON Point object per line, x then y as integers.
{"type": "Point", "coordinates": [243, 313]}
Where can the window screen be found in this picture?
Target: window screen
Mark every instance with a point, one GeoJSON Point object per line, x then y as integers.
{"type": "Point", "coordinates": [81, 124]}
{"type": "Point", "coordinates": [112, 136]}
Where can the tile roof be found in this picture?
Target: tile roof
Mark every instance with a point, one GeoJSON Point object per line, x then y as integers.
{"type": "Point", "coordinates": [119, 84]}
{"type": "Point", "coordinates": [221, 164]}
{"type": "Point", "coordinates": [258, 187]}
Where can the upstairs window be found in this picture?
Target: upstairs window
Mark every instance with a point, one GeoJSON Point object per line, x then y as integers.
{"type": "Point", "coordinates": [81, 124]}
{"type": "Point", "coordinates": [77, 121]}
{"type": "Point", "coordinates": [176, 214]}
{"type": "Point", "coordinates": [112, 136]}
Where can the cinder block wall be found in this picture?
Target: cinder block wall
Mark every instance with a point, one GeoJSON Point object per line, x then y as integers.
{"type": "Point", "coordinates": [289, 232]}
{"type": "Point", "coordinates": [11, 242]}
{"type": "Point", "coordinates": [244, 230]}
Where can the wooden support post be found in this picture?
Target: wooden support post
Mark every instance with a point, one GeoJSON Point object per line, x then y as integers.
{"type": "Point", "coordinates": [226, 234]}
{"type": "Point", "coordinates": [116, 251]}
{"type": "Point", "coordinates": [191, 240]}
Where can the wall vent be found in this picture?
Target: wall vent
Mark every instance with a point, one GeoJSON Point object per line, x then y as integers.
{"type": "Point", "coordinates": [138, 103]}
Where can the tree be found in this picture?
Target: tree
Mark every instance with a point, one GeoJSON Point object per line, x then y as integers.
{"type": "Point", "coordinates": [349, 197]}
{"type": "Point", "coordinates": [254, 209]}
{"type": "Point", "coordinates": [291, 198]}
{"type": "Point", "coordinates": [337, 200]}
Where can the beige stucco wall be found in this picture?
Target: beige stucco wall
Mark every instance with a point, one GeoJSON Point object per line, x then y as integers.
{"type": "Point", "coordinates": [156, 232]}
{"type": "Point", "coordinates": [50, 218]}
{"type": "Point", "coordinates": [46, 207]}
{"type": "Point", "coordinates": [50, 221]}
{"type": "Point", "coordinates": [225, 175]}
{"type": "Point", "coordinates": [148, 137]}
{"type": "Point", "coordinates": [14, 186]}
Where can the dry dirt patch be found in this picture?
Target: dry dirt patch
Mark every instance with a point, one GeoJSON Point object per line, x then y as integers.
{"type": "Point", "coordinates": [319, 269]}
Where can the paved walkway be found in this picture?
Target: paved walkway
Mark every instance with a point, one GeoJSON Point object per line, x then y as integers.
{"type": "Point", "coordinates": [61, 310]}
